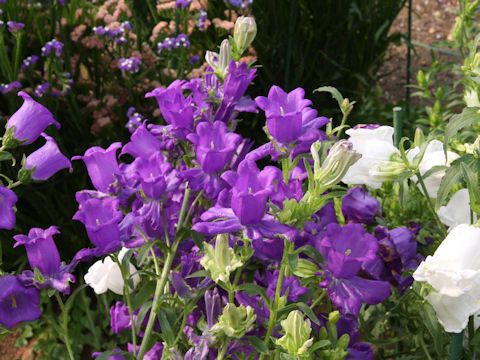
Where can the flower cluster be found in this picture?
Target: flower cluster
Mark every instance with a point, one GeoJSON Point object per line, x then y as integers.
{"type": "Point", "coordinates": [131, 65]}
{"type": "Point", "coordinates": [52, 47]}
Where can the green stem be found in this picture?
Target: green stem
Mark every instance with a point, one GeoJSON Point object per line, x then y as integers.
{"type": "Point", "coordinates": [65, 326]}
{"type": "Point", "coordinates": [430, 204]}
{"type": "Point", "coordinates": [222, 352]}
{"type": "Point", "coordinates": [455, 352]}
{"type": "Point", "coordinates": [317, 300]}
{"type": "Point", "coordinates": [163, 278]}
{"type": "Point", "coordinates": [16, 61]}
{"type": "Point", "coordinates": [278, 291]}
{"type": "Point", "coordinates": [153, 11]}
{"type": "Point", "coordinates": [231, 293]}
{"type": "Point", "coordinates": [126, 294]}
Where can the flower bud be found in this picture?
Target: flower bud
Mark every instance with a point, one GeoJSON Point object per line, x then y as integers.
{"type": "Point", "coordinates": [306, 268]}
{"type": "Point", "coordinates": [337, 163]}
{"type": "Point", "coordinates": [245, 32]}
{"type": "Point", "coordinates": [220, 261]}
{"type": "Point", "coordinates": [419, 138]}
{"type": "Point", "coordinates": [234, 321]}
{"type": "Point", "coordinates": [389, 170]}
{"type": "Point", "coordinates": [220, 62]}
{"type": "Point", "coordinates": [296, 340]}
{"type": "Point", "coordinates": [471, 98]}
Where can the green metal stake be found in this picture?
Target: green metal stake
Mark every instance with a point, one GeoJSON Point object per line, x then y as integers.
{"type": "Point", "coordinates": [409, 55]}
{"type": "Point", "coordinates": [456, 347]}
{"type": "Point", "coordinates": [397, 125]}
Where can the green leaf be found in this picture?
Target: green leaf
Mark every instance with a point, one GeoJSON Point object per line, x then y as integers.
{"type": "Point", "coordinates": [333, 91]}
{"type": "Point", "coordinates": [197, 239]}
{"type": "Point", "coordinates": [5, 155]}
{"type": "Point", "coordinates": [141, 315]}
{"type": "Point", "coordinates": [319, 344]}
{"type": "Point", "coordinates": [71, 298]}
{"type": "Point", "coordinates": [292, 261]}
{"type": "Point", "coordinates": [199, 273]}
{"type": "Point", "coordinates": [472, 185]}
{"type": "Point", "coordinates": [143, 252]}
{"type": "Point", "coordinates": [145, 293]}
{"type": "Point", "coordinates": [468, 117]}
{"type": "Point", "coordinates": [434, 170]}
{"type": "Point", "coordinates": [453, 175]}
{"type": "Point", "coordinates": [258, 344]}
{"type": "Point", "coordinates": [167, 331]}
{"type": "Point", "coordinates": [309, 312]}
{"type": "Point", "coordinates": [311, 252]}
{"type": "Point", "coordinates": [433, 327]}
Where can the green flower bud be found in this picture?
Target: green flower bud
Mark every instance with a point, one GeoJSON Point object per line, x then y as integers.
{"type": "Point", "coordinates": [419, 138]}
{"type": "Point", "coordinates": [334, 316]}
{"type": "Point", "coordinates": [336, 165]}
{"type": "Point", "coordinates": [245, 32]}
{"type": "Point", "coordinates": [220, 62]}
{"type": "Point", "coordinates": [220, 261]}
{"type": "Point", "coordinates": [296, 340]}
{"type": "Point", "coordinates": [234, 321]}
{"type": "Point", "coordinates": [306, 268]}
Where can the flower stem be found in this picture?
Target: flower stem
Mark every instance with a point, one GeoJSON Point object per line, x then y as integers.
{"type": "Point", "coordinates": [278, 292]}
{"type": "Point", "coordinates": [65, 326]}
{"type": "Point", "coordinates": [163, 278]}
{"type": "Point", "coordinates": [455, 352]}
{"type": "Point", "coordinates": [126, 294]}
{"type": "Point", "coordinates": [430, 204]}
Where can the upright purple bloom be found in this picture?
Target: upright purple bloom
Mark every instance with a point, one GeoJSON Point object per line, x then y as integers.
{"type": "Point", "coordinates": [249, 193]}
{"type": "Point", "coordinates": [214, 145]}
{"type": "Point", "coordinates": [30, 120]}
{"type": "Point", "coordinates": [17, 303]}
{"type": "Point", "coordinates": [7, 214]}
{"type": "Point", "coordinates": [102, 165]}
{"type": "Point", "coordinates": [101, 218]}
{"type": "Point", "coordinates": [142, 143]}
{"type": "Point", "coordinates": [284, 113]}
{"type": "Point", "coordinates": [359, 207]}
{"type": "Point", "coordinates": [46, 160]}
{"type": "Point", "coordinates": [41, 249]}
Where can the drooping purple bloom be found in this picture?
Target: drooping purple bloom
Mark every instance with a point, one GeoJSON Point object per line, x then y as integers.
{"type": "Point", "coordinates": [102, 165]}
{"type": "Point", "coordinates": [236, 83]}
{"type": "Point", "coordinates": [176, 109]}
{"type": "Point", "coordinates": [42, 253]}
{"type": "Point", "coordinates": [46, 160]}
{"type": "Point", "coordinates": [101, 218]}
{"type": "Point", "coordinates": [17, 303]}
{"type": "Point", "coordinates": [398, 253]}
{"type": "Point", "coordinates": [284, 113]}
{"type": "Point", "coordinates": [359, 207]}
{"type": "Point", "coordinates": [155, 175]}
{"type": "Point", "coordinates": [8, 200]}
{"type": "Point", "coordinates": [41, 249]}
{"type": "Point", "coordinates": [345, 249]}
{"type": "Point", "coordinates": [30, 120]}
{"type": "Point", "coordinates": [142, 143]}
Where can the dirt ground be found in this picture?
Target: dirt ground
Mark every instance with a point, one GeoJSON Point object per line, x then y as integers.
{"type": "Point", "coordinates": [432, 20]}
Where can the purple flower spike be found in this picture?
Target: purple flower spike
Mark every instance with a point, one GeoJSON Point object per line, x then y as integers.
{"type": "Point", "coordinates": [17, 303]}
{"type": "Point", "coordinates": [284, 113]}
{"type": "Point", "coordinates": [7, 214]}
{"type": "Point", "coordinates": [41, 249]}
{"type": "Point", "coordinates": [47, 160]}
{"type": "Point", "coordinates": [30, 120]}
{"type": "Point", "coordinates": [102, 165]}
{"type": "Point", "coordinates": [359, 207]}
{"type": "Point", "coordinates": [214, 145]}
{"type": "Point", "coordinates": [346, 248]}
{"type": "Point", "coordinates": [101, 218]}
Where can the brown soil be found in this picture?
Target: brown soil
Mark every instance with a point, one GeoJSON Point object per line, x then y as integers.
{"type": "Point", "coordinates": [432, 20]}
